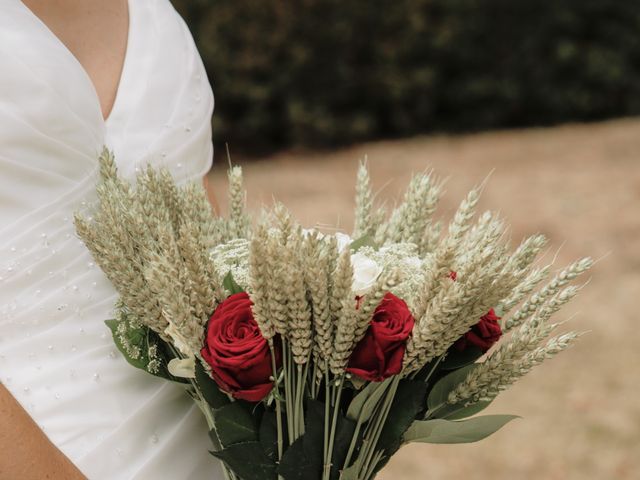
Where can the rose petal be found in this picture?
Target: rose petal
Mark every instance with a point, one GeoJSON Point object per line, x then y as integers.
{"type": "Point", "coordinates": [236, 351]}
{"type": "Point", "coordinates": [365, 273]}
{"type": "Point", "coordinates": [379, 354]}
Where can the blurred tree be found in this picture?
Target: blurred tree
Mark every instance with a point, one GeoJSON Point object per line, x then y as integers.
{"type": "Point", "coordinates": [324, 72]}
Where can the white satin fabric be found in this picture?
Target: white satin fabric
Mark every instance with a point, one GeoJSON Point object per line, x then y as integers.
{"type": "Point", "coordinates": [56, 355]}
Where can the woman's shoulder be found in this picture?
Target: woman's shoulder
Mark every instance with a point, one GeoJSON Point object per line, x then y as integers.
{"type": "Point", "coordinates": [163, 106]}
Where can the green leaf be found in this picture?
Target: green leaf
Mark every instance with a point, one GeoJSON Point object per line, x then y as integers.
{"type": "Point", "coordinates": [303, 460]}
{"type": "Point", "coordinates": [268, 434]}
{"type": "Point", "coordinates": [364, 241]}
{"type": "Point", "coordinates": [141, 347]}
{"type": "Point", "coordinates": [133, 336]}
{"type": "Point", "coordinates": [442, 388]}
{"type": "Point", "coordinates": [465, 431]}
{"type": "Point", "coordinates": [248, 460]}
{"type": "Point", "coordinates": [297, 465]}
{"type": "Point", "coordinates": [350, 473]}
{"type": "Point", "coordinates": [455, 359]}
{"type": "Point", "coordinates": [234, 424]}
{"type": "Point", "coordinates": [363, 404]}
{"type": "Point", "coordinates": [407, 405]}
{"type": "Point", "coordinates": [230, 284]}
{"type": "Point", "coordinates": [209, 388]}
{"type": "Point", "coordinates": [459, 411]}
{"type": "Point", "coordinates": [357, 383]}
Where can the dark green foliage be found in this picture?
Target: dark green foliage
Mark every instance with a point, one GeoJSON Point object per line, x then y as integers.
{"type": "Point", "coordinates": [321, 72]}
{"type": "Point", "coordinates": [303, 459]}
{"type": "Point", "coordinates": [407, 404]}
{"type": "Point", "coordinates": [209, 388]}
{"type": "Point", "coordinates": [456, 359]}
{"type": "Point", "coordinates": [235, 424]}
{"type": "Point", "coordinates": [268, 434]}
{"type": "Point", "coordinates": [248, 460]}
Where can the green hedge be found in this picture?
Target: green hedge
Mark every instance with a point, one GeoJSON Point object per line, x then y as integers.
{"type": "Point", "coordinates": [324, 72]}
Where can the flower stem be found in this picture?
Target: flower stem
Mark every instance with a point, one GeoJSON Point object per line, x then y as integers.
{"type": "Point", "coordinates": [356, 432]}
{"type": "Point", "coordinates": [208, 415]}
{"type": "Point", "coordinates": [299, 408]}
{"type": "Point", "coordinates": [374, 433]}
{"type": "Point", "coordinates": [354, 440]}
{"type": "Point", "coordinates": [303, 385]}
{"type": "Point", "coordinates": [376, 458]}
{"type": "Point", "coordinates": [327, 411]}
{"type": "Point", "coordinates": [366, 440]}
{"type": "Point", "coordinates": [435, 366]}
{"type": "Point", "coordinates": [205, 408]}
{"type": "Point", "coordinates": [287, 390]}
{"type": "Point", "coordinates": [431, 371]}
{"type": "Point", "coordinates": [334, 422]}
{"type": "Point", "coordinates": [277, 397]}
{"type": "Point", "coordinates": [313, 384]}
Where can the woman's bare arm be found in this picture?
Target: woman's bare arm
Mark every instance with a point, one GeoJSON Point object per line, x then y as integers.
{"type": "Point", "coordinates": [25, 452]}
{"type": "Point", "coordinates": [211, 195]}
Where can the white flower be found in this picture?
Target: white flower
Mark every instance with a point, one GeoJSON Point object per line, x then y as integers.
{"type": "Point", "coordinates": [413, 262]}
{"type": "Point", "coordinates": [183, 367]}
{"type": "Point", "coordinates": [233, 257]}
{"type": "Point", "coordinates": [344, 241]}
{"type": "Point", "coordinates": [365, 273]}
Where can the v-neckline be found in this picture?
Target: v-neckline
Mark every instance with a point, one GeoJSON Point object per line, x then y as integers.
{"type": "Point", "coordinates": [83, 71]}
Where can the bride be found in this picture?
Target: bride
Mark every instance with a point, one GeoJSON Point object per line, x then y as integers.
{"type": "Point", "coordinates": [76, 75]}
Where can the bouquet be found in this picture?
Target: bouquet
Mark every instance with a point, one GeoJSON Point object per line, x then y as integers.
{"type": "Point", "coordinates": [316, 355]}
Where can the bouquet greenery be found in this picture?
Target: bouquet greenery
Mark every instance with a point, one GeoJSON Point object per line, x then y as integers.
{"type": "Point", "coordinates": [313, 355]}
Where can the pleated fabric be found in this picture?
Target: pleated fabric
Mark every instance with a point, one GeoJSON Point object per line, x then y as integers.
{"type": "Point", "coordinates": [56, 355]}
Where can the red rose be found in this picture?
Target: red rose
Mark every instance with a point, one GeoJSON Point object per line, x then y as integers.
{"type": "Point", "coordinates": [238, 354]}
{"type": "Point", "coordinates": [483, 334]}
{"type": "Point", "coordinates": [380, 352]}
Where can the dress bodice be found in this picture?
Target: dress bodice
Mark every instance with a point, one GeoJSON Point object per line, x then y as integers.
{"type": "Point", "coordinates": [56, 354]}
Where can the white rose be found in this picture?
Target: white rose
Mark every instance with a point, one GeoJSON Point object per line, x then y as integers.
{"type": "Point", "coordinates": [365, 273]}
{"type": "Point", "coordinates": [344, 241]}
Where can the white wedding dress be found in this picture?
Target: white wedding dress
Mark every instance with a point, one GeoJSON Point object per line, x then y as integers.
{"type": "Point", "coordinates": [56, 355]}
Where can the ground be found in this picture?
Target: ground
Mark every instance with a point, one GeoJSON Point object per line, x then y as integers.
{"type": "Point", "coordinates": [579, 185]}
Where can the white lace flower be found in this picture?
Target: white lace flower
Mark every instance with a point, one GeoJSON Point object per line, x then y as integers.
{"type": "Point", "coordinates": [232, 257]}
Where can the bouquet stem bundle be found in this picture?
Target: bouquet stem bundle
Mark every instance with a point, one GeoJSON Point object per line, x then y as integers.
{"type": "Point", "coordinates": [319, 356]}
